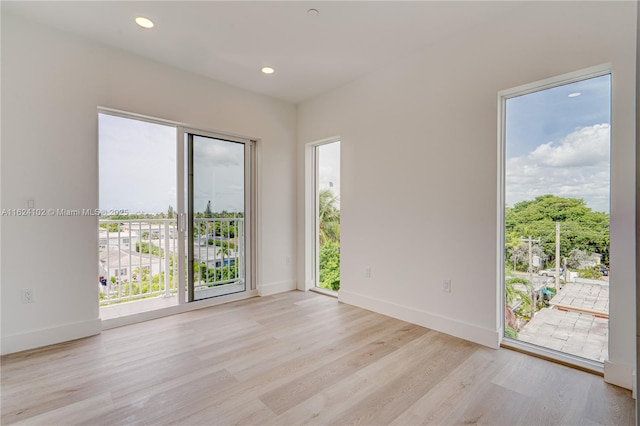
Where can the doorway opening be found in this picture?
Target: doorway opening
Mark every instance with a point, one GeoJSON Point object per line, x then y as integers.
{"type": "Point", "coordinates": [176, 218]}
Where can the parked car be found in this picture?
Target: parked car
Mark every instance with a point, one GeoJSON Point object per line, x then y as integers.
{"type": "Point", "coordinates": [604, 271]}
{"type": "Point", "coordinates": [548, 272]}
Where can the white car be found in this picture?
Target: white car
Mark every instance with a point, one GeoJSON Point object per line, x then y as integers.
{"type": "Point", "coordinates": [548, 272]}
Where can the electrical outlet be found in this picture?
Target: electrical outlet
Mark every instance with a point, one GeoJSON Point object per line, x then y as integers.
{"type": "Point", "coordinates": [367, 271]}
{"type": "Point", "coordinates": [28, 295]}
{"type": "Point", "coordinates": [446, 286]}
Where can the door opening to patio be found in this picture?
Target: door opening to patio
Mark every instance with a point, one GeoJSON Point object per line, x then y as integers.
{"type": "Point", "coordinates": [556, 173]}
{"type": "Point", "coordinates": [175, 220]}
{"type": "Point", "coordinates": [327, 215]}
{"type": "Point", "coordinates": [219, 176]}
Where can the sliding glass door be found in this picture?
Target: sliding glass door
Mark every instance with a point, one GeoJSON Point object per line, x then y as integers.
{"type": "Point", "coordinates": [218, 220]}
{"type": "Point", "coordinates": [178, 216]}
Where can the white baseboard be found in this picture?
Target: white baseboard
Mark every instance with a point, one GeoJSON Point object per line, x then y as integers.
{"type": "Point", "coordinates": [453, 327]}
{"type": "Point", "coordinates": [277, 287]}
{"type": "Point", "coordinates": [619, 375]}
{"type": "Point", "coordinates": [49, 336]}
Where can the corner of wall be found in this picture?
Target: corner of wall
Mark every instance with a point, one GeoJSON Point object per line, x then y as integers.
{"type": "Point", "coordinates": [277, 287]}
{"type": "Point", "coordinates": [462, 330]}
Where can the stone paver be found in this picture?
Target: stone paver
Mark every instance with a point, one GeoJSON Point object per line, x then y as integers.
{"type": "Point", "coordinates": [592, 297]}
{"type": "Point", "coordinates": [574, 333]}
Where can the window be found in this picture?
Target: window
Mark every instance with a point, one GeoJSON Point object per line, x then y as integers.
{"type": "Point", "coordinates": [555, 215]}
{"type": "Point", "coordinates": [322, 233]}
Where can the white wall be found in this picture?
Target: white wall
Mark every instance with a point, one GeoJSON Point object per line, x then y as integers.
{"type": "Point", "coordinates": [52, 83]}
{"type": "Point", "coordinates": [419, 167]}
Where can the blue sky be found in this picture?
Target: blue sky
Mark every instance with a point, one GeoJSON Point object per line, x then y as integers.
{"type": "Point", "coordinates": [558, 142]}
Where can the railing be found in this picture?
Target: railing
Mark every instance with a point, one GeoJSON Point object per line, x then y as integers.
{"type": "Point", "coordinates": [138, 258]}
{"type": "Point", "coordinates": [218, 252]}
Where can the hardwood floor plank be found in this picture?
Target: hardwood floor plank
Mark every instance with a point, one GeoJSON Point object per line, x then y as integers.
{"type": "Point", "coordinates": [424, 369]}
{"type": "Point", "coordinates": [456, 393]}
{"type": "Point", "coordinates": [291, 394]}
{"type": "Point", "coordinates": [295, 358]}
{"type": "Point", "coordinates": [73, 414]}
{"type": "Point", "coordinates": [326, 405]}
{"type": "Point", "coordinates": [314, 350]}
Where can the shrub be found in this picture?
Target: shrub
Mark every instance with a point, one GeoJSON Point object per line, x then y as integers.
{"type": "Point", "coordinates": [330, 266]}
{"type": "Point", "coordinates": [589, 273]}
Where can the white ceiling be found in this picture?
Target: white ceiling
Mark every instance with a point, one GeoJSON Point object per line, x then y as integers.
{"type": "Point", "coordinates": [231, 40]}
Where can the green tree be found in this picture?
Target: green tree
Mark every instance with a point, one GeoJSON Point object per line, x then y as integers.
{"type": "Point", "coordinates": [581, 228]}
{"type": "Point", "coordinates": [576, 258]}
{"type": "Point", "coordinates": [330, 265]}
{"type": "Point", "coordinates": [329, 229]}
{"type": "Point", "coordinates": [171, 213]}
{"type": "Point", "coordinates": [329, 216]}
{"type": "Point", "coordinates": [518, 302]}
{"type": "Point", "coordinates": [207, 211]}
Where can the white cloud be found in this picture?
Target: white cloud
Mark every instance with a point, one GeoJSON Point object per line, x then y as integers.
{"type": "Point", "coordinates": [575, 167]}
{"type": "Point", "coordinates": [329, 167]}
{"type": "Point", "coordinates": [212, 152]}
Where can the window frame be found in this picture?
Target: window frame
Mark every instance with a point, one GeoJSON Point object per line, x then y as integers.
{"type": "Point", "coordinates": [503, 96]}
{"type": "Point", "coordinates": [311, 225]}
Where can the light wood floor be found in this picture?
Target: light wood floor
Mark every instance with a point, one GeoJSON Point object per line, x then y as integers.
{"type": "Point", "coordinates": [296, 358]}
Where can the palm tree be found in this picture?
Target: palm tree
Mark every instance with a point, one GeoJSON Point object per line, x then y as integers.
{"type": "Point", "coordinates": [517, 290]}
{"type": "Point", "coordinates": [329, 216]}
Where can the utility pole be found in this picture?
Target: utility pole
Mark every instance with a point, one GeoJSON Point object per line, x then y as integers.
{"type": "Point", "coordinates": [530, 240]}
{"type": "Point", "coordinates": [557, 256]}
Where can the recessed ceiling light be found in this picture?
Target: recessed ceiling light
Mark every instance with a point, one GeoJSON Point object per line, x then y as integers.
{"type": "Point", "coordinates": [144, 22]}
{"type": "Point", "coordinates": [574, 94]}
{"type": "Point", "coordinates": [313, 12]}
{"type": "Point", "coordinates": [268, 70]}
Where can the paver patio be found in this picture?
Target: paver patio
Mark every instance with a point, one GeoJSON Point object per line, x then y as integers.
{"type": "Point", "coordinates": [575, 323]}
{"type": "Point", "coordinates": [588, 298]}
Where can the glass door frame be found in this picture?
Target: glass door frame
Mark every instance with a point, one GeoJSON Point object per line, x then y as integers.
{"type": "Point", "coordinates": [186, 293]}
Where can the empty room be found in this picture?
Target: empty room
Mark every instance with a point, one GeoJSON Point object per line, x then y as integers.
{"type": "Point", "coordinates": [346, 212]}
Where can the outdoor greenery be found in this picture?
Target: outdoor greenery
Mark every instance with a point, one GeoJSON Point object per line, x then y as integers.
{"type": "Point", "coordinates": [583, 231]}
{"type": "Point", "coordinates": [329, 258]}
{"type": "Point", "coordinates": [142, 285]}
{"type": "Point", "coordinates": [144, 248]}
{"type": "Point", "coordinates": [217, 233]}
{"type": "Point", "coordinates": [590, 273]}
{"type": "Point", "coordinates": [519, 304]}
{"type": "Point", "coordinates": [330, 265]}
{"type": "Point", "coordinates": [219, 243]}
{"type": "Point", "coordinates": [215, 275]}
